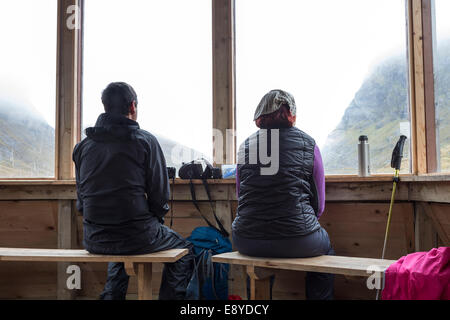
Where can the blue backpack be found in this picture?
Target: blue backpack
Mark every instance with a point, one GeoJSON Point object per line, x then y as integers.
{"type": "Point", "coordinates": [209, 280]}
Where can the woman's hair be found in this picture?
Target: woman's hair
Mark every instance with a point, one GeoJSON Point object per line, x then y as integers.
{"type": "Point", "coordinates": [282, 118]}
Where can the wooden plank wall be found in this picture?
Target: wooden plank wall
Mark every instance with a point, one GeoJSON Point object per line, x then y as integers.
{"type": "Point", "coordinates": [33, 224]}
{"type": "Point", "coordinates": [30, 224]}
{"type": "Point", "coordinates": [356, 229]}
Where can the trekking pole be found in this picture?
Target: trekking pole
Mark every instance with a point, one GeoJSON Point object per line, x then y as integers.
{"type": "Point", "coordinates": [396, 163]}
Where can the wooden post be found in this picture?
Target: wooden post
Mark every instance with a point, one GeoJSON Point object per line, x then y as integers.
{"type": "Point", "coordinates": [224, 113]}
{"type": "Point", "coordinates": [423, 119]}
{"type": "Point", "coordinates": [428, 67]}
{"type": "Point", "coordinates": [67, 122]}
{"type": "Point", "coordinates": [67, 231]}
{"type": "Point", "coordinates": [417, 95]}
{"type": "Point", "coordinates": [68, 89]}
{"type": "Point", "coordinates": [144, 274]}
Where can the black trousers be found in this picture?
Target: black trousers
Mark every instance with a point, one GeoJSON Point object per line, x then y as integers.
{"type": "Point", "coordinates": [319, 286]}
{"type": "Point", "coordinates": [175, 277]}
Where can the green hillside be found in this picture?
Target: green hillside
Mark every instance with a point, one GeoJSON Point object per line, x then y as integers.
{"type": "Point", "coordinates": [443, 104]}
{"type": "Point", "coordinates": [377, 110]}
{"type": "Point", "coordinates": [26, 143]}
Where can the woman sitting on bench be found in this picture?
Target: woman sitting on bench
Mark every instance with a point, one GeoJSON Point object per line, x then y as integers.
{"type": "Point", "coordinates": [279, 209]}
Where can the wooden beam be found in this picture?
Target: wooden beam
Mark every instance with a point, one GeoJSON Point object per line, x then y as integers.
{"type": "Point", "coordinates": [67, 121]}
{"type": "Point", "coordinates": [67, 238]}
{"type": "Point", "coordinates": [428, 66]}
{"type": "Point", "coordinates": [423, 188]}
{"type": "Point", "coordinates": [365, 191]}
{"type": "Point", "coordinates": [430, 192]}
{"type": "Point", "coordinates": [224, 107]}
{"type": "Point", "coordinates": [417, 82]}
{"type": "Point", "coordinates": [68, 91]}
{"type": "Point", "coordinates": [423, 114]}
{"type": "Point", "coordinates": [412, 87]}
{"type": "Point", "coordinates": [79, 73]}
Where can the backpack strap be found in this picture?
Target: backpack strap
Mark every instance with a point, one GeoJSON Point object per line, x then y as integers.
{"type": "Point", "coordinates": [194, 200]}
{"type": "Point", "coordinates": [208, 193]}
{"type": "Point", "coordinates": [171, 203]}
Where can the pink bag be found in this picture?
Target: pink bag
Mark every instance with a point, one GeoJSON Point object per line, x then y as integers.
{"type": "Point", "coordinates": [419, 276]}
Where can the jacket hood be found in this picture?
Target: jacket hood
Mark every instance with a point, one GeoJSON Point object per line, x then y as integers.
{"type": "Point", "coordinates": [113, 127]}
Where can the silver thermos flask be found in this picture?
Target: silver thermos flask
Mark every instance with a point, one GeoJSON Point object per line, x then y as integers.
{"type": "Point", "coordinates": [363, 157]}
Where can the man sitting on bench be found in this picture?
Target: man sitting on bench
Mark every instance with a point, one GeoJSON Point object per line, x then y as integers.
{"type": "Point", "coordinates": [123, 191]}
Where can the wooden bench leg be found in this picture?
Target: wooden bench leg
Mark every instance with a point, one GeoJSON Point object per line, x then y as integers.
{"type": "Point", "coordinates": [144, 277]}
{"type": "Point", "coordinates": [143, 271]}
{"type": "Point", "coordinates": [259, 283]}
{"type": "Point", "coordinates": [67, 239]}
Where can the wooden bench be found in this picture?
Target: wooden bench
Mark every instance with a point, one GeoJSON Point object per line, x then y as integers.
{"type": "Point", "coordinates": [139, 265]}
{"type": "Point", "coordinates": [258, 269]}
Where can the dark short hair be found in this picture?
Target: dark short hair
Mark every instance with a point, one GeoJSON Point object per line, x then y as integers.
{"type": "Point", "coordinates": [118, 97]}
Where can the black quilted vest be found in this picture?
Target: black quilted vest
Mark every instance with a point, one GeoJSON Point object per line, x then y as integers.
{"type": "Point", "coordinates": [282, 205]}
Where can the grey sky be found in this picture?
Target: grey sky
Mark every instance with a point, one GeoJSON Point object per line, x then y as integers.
{"type": "Point", "coordinates": [320, 51]}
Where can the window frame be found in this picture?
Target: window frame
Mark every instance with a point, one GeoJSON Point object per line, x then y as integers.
{"type": "Point", "coordinates": [70, 84]}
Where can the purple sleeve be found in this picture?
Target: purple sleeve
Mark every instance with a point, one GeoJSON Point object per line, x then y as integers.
{"type": "Point", "coordinates": [319, 179]}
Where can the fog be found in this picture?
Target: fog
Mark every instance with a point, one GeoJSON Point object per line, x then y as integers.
{"type": "Point", "coordinates": [320, 51]}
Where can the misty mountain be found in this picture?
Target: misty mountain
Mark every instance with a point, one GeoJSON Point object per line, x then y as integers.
{"type": "Point", "coordinates": [27, 144]}
{"type": "Point", "coordinates": [176, 153]}
{"type": "Point", "coordinates": [442, 99]}
{"type": "Point", "coordinates": [377, 110]}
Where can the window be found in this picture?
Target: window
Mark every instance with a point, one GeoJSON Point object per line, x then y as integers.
{"type": "Point", "coordinates": [28, 36]}
{"type": "Point", "coordinates": [162, 49]}
{"type": "Point", "coordinates": [345, 62]}
{"type": "Point", "coordinates": [442, 82]}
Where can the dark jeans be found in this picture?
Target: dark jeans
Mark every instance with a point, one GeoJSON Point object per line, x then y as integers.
{"type": "Point", "coordinates": [319, 286]}
{"type": "Point", "coordinates": [175, 277]}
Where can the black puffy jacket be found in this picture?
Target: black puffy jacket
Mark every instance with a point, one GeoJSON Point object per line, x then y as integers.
{"type": "Point", "coordinates": [283, 205]}
{"type": "Point", "coordinates": [122, 185]}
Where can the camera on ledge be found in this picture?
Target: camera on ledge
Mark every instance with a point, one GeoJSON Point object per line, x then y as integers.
{"type": "Point", "coordinates": [199, 169]}
{"type": "Point", "coordinates": [172, 172]}
{"type": "Point", "coordinates": [216, 173]}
